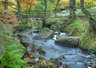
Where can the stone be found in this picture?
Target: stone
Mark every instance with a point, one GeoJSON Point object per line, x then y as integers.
{"type": "Point", "coordinates": [71, 41]}
{"type": "Point", "coordinates": [40, 50]}
{"type": "Point", "coordinates": [45, 33]}
{"type": "Point", "coordinates": [24, 43]}
{"type": "Point", "coordinates": [6, 38]}
{"type": "Point", "coordinates": [32, 61]}
{"type": "Point", "coordinates": [61, 57]}
{"type": "Point", "coordinates": [1, 66]}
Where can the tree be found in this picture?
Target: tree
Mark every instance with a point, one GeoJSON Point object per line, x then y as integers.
{"type": "Point", "coordinates": [89, 17]}
{"type": "Point", "coordinates": [6, 4]}
{"type": "Point", "coordinates": [72, 11]}
{"type": "Point", "coordinates": [56, 7]}
{"type": "Point", "coordinates": [18, 7]}
{"type": "Point", "coordinates": [45, 14]}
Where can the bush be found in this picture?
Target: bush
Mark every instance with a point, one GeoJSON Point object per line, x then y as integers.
{"type": "Point", "coordinates": [88, 41]}
{"type": "Point", "coordinates": [12, 57]}
{"type": "Point", "coordinates": [9, 18]}
{"type": "Point", "coordinates": [21, 27]}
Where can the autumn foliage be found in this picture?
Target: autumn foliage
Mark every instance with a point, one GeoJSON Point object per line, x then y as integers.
{"type": "Point", "coordinates": [8, 18]}
{"type": "Point", "coordinates": [28, 3]}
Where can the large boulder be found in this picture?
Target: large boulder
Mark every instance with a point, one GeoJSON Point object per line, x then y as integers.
{"type": "Point", "coordinates": [44, 34]}
{"type": "Point", "coordinates": [6, 38]}
{"type": "Point", "coordinates": [67, 41]}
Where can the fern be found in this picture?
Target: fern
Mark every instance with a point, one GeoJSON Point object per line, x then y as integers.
{"type": "Point", "coordinates": [12, 58]}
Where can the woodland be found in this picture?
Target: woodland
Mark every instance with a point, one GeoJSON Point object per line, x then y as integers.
{"type": "Point", "coordinates": [47, 33]}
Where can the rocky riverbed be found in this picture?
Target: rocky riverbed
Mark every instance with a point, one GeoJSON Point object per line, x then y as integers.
{"type": "Point", "coordinates": [42, 51]}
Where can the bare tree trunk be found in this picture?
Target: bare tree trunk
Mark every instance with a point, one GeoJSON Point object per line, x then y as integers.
{"type": "Point", "coordinates": [89, 17]}
{"type": "Point", "coordinates": [5, 5]}
{"type": "Point", "coordinates": [45, 14]}
{"type": "Point", "coordinates": [56, 7]}
{"type": "Point", "coordinates": [72, 11]}
{"type": "Point", "coordinates": [19, 7]}
{"type": "Point", "coordinates": [72, 8]}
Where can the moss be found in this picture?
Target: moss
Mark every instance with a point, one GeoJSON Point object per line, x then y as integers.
{"type": "Point", "coordinates": [56, 26]}
{"type": "Point", "coordinates": [7, 39]}
{"type": "Point", "coordinates": [76, 28]}
{"type": "Point", "coordinates": [80, 27]}
{"type": "Point", "coordinates": [88, 40]}
{"type": "Point", "coordinates": [5, 29]}
{"type": "Point", "coordinates": [20, 27]}
{"type": "Point", "coordinates": [54, 20]}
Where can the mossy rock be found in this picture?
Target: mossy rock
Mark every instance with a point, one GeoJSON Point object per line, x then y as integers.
{"type": "Point", "coordinates": [1, 66]}
{"type": "Point", "coordinates": [45, 33]}
{"type": "Point", "coordinates": [21, 27]}
{"type": "Point", "coordinates": [7, 39]}
{"type": "Point", "coordinates": [71, 41]}
{"type": "Point", "coordinates": [56, 26]}
{"type": "Point", "coordinates": [5, 29]}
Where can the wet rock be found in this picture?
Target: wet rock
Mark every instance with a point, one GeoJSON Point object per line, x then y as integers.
{"type": "Point", "coordinates": [57, 62]}
{"type": "Point", "coordinates": [32, 61]}
{"type": "Point", "coordinates": [36, 31]}
{"type": "Point", "coordinates": [24, 43]}
{"type": "Point", "coordinates": [40, 50]}
{"type": "Point", "coordinates": [1, 66]}
{"type": "Point", "coordinates": [44, 34]}
{"type": "Point", "coordinates": [2, 51]}
{"type": "Point", "coordinates": [61, 57]}
{"type": "Point", "coordinates": [21, 35]}
{"type": "Point", "coordinates": [65, 66]}
{"type": "Point", "coordinates": [67, 41]}
{"type": "Point", "coordinates": [89, 64]}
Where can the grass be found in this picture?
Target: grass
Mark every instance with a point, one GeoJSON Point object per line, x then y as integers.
{"type": "Point", "coordinates": [76, 28]}
{"type": "Point", "coordinates": [80, 27]}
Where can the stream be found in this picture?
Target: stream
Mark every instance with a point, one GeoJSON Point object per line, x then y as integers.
{"type": "Point", "coordinates": [73, 57]}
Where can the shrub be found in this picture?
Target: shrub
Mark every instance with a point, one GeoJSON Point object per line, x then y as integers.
{"type": "Point", "coordinates": [88, 41]}
{"type": "Point", "coordinates": [12, 57]}
{"type": "Point", "coordinates": [9, 18]}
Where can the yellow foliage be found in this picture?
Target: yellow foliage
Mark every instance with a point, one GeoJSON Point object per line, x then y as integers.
{"type": "Point", "coordinates": [64, 3]}
{"type": "Point", "coordinates": [31, 24]}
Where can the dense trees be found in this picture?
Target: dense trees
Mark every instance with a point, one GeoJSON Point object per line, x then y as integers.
{"type": "Point", "coordinates": [44, 6]}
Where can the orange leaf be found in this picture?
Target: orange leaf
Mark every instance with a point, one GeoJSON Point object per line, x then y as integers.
{"type": "Point", "coordinates": [44, 62]}
{"type": "Point", "coordinates": [26, 59]}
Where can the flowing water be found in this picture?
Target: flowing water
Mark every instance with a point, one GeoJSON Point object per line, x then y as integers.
{"type": "Point", "coordinates": [73, 57]}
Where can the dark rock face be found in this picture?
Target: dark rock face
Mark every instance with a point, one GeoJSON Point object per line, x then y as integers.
{"type": "Point", "coordinates": [69, 41]}
{"type": "Point", "coordinates": [25, 44]}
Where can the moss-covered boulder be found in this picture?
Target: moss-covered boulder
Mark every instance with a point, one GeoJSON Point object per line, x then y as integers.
{"type": "Point", "coordinates": [6, 38]}
{"type": "Point", "coordinates": [71, 41]}
{"type": "Point", "coordinates": [45, 33]}
{"type": "Point", "coordinates": [21, 27]}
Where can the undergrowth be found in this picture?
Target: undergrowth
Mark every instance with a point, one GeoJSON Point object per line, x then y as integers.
{"type": "Point", "coordinates": [9, 18]}
{"type": "Point", "coordinates": [76, 28]}
{"type": "Point", "coordinates": [88, 41]}
{"type": "Point", "coordinates": [81, 27]}
{"type": "Point", "coordinates": [12, 57]}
